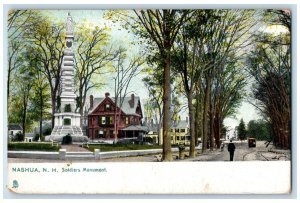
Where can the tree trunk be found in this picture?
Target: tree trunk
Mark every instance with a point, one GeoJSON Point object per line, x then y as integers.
{"type": "Point", "coordinates": [24, 115]}
{"type": "Point", "coordinates": [212, 128]}
{"type": "Point", "coordinates": [41, 115]}
{"type": "Point", "coordinates": [8, 83]}
{"type": "Point", "coordinates": [196, 124]}
{"type": "Point", "coordinates": [205, 114]}
{"type": "Point", "coordinates": [192, 124]}
{"type": "Point", "coordinates": [218, 126]}
{"type": "Point", "coordinates": [167, 153]}
{"type": "Point", "coordinates": [53, 105]}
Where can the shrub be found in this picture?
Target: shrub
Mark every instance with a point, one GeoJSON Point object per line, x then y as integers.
{"type": "Point", "coordinates": [19, 137]}
{"type": "Point", "coordinates": [32, 146]}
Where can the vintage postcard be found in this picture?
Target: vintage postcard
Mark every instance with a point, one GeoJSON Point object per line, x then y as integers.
{"type": "Point", "coordinates": [149, 101]}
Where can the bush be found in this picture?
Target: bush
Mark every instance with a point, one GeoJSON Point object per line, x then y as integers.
{"type": "Point", "coordinates": [32, 146]}
{"type": "Point", "coordinates": [19, 137]}
{"type": "Point", "coordinates": [37, 136]}
{"type": "Point", "coordinates": [120, 147]}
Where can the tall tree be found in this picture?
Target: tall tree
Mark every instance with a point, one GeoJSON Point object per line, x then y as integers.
{"type": "Point", "coordinates": [48, 39]}
{"type": "Point", "coordinates": [124, 74]}
{"type": "Point", "coordinates": [270, 64]}
{"type": "Point", "coordinates": [153, 82]}
{"type": "Point", "coordinates": [227, 34]}
{"type": "Point", "coordinates": [187, 65]}
{"type": "Point", "coordinates": [18, 21]}
{"type": "Point", "coordinates": [92, 56]}
{"type": "Point", "coordinates": [241, 131]}
{"type": "Point", "coordinates": [161, 27]}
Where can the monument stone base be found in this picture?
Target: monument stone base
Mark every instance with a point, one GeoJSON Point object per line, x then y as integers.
{"type": "Point", "coordinates": [58, 138]}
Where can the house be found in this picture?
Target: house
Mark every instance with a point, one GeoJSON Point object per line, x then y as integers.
{"type": "Point", "coordinates": [180, 132]}
{"type": "Point", "coordinates": [13, 129]}
{"type": "Point", "coordinates": [104, 116]}
{"type": "Point", "coordinates": [153, 133]}
{"type": "Point", "coordinates": [29, 137]}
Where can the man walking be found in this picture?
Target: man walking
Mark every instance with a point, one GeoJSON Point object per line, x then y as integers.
{"type": "Point", "coordinates": [231, 148]}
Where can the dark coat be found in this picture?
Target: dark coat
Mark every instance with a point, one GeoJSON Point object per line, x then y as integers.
{"type": "Point", "coordinates": [231, 147]}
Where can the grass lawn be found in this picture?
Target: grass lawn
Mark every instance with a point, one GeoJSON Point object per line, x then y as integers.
{"type": "Point", "coordinates": [25, 146]}
{"type": "Point", "coordinates": [119, 147]}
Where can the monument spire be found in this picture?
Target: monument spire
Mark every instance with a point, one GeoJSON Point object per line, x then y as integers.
{"type": "Point", "coordinates": [67, 120]}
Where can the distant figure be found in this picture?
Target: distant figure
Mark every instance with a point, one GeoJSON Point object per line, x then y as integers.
{"type": "Point", "coordinates": [231, 148]}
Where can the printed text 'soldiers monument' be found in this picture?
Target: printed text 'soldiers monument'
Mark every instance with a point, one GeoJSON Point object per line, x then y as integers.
{"type": "Point", "coordinates": [67, 120]}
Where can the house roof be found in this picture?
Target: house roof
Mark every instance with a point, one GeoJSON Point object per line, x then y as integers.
{"type": "Point", "coordinates": [135, 128]}
{"type": "Point", "coordinates": [14, 127]}
{"type": "Point", "coordinates": [180, 124]}
{"type": "Point", "coordinates": [29, 134]}
{"type": "Point", "coordinates": [152, 127]}
{"type": "Point", "coordinates": [125, 106]}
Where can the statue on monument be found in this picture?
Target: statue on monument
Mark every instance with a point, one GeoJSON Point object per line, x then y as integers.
{"type": "Point", "coordinates": [70, 24]}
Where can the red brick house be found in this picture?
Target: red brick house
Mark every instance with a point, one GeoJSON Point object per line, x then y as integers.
{"type": "Point", "coordinates": [102, 116]}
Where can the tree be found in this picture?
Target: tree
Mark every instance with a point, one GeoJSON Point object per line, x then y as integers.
{"type": "Point", "coordinates": [153, 82]}
{"type": "Point", "coordinates": [186, 63]}
{"type": "Point", "coordinates": [23, 92]}
{"type": "Point", "coordinates": [40, 101]}
{"type": "Point", "coordinates": [48, 39]}
{"type": "Point", "coordinates": [18, 21]}
{"type": "Point", "coordinates": [124, 74]}
{"type": "Point", "coordinates": [241, 131]}
{"type": "Point", "coordinates": [161, 27]}
{"type": "Point", "coordinates": [92, 56]}
{"type": "Point", "coordinates": [215, 38]}
{"type": "Point", "coordinates": [259, 129]}
{"type": "Point", "coordinates": [269, 64]}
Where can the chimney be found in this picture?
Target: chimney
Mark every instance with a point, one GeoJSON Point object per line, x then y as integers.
{"type": "Point", "coordinates": [187, 119]}
{"type": "Point", "coordinates": [91, 101]}
{"type": "Point", "coordinates": [106, 94]}
{"type": "Point", "coordinates": [151, 122]}
{"type": "Point", "coordinates": [131, 102]}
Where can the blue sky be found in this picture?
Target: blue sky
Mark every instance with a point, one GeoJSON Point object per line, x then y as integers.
{"type": "Point", "coordinates": [121, 36]}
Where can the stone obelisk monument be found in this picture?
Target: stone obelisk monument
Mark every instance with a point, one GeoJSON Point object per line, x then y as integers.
{"type": "Point", "coordinates": [67, 120]}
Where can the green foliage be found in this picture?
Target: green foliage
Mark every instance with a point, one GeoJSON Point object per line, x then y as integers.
{"type": "Point", "coordinates": [241, 131]}
{"type": "Point", "coordinates": [19, 137]}
{"type": "Point", "coordinates": [120, 147]}
{"type": "Point", "coordinates": [32, 146]}
{"type": "Point", "coordinates": [269, 63]}
{"type": "Point", "coordinates": [259, 129]}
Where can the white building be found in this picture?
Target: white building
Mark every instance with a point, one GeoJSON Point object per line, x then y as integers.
{"type": "Point", "coordinates": [13, 129]}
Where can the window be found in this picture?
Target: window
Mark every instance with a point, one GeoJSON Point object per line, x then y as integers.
{"type": "Point", "coordinates": [108, 120]}
{"type": "Point", "coordinates": [102, 134]}
{"type": "Point", "coordinates": [105, 120]}
{"type": "Point", "coordinates": [177, 137]}
{"type": "Point", "coordinates": [182, 130]}
{"type": "Point", "coordinates": [126, 120]}
{"type": "Point", "coordinates": [107, 107]}
{"type": "Point", "coordinates": [177, 130]}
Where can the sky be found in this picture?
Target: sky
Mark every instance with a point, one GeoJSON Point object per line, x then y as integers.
{"type": "Point", "coordinates": [92, 18]}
